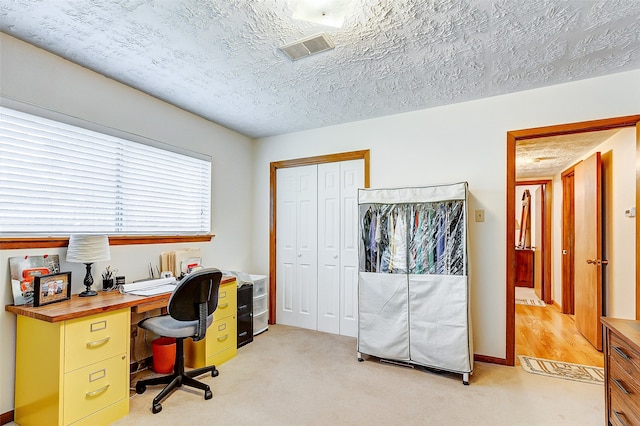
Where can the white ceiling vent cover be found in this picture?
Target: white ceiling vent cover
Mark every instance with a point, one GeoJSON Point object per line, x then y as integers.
{"type": "Point", "coordinates": [308, 46]}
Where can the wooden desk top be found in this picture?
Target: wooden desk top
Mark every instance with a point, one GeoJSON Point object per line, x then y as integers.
{"type": "Point", "coordinates": [105, 301]}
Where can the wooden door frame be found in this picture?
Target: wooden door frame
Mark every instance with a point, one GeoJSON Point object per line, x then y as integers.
{"type": "Point", "coordinates": [545, 250]}
{"type": "Point", "coordinates": [540, 132]}
{"type": "Point", "coordinates": [568, 212]}
{"type": "Point", "coordinates": [307, 161]}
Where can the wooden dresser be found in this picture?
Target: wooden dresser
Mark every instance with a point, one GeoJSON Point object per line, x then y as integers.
{"type": "Point", "coordinates": [622, 371]}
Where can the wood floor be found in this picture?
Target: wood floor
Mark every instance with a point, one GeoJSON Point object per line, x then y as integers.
{"type": "Point", "coordinates": [545, 332]}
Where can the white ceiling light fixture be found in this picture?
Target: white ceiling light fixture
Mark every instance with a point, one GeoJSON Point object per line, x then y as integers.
{"type": "Point", "coordinates": [308, 46]}
{"type": "Point", "coordinates": [324, 12]}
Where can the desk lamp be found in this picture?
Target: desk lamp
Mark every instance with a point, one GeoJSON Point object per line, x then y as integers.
{"type": "Point", "coordinates": [88, 249]}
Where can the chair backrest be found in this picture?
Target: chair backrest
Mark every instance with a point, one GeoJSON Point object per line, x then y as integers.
{"type": "Point", "coordinates": [196, 298]}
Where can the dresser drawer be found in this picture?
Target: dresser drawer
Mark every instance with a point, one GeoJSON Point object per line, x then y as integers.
{"type": "Point", "coordinates": [95, 338]}
{"type": "Point", "coordinates": [94, 387]}
{"type": "Point", "coordinates": [628, 358]}
{"type": "Point", "coordinates": [620, 413]}
{"type": "Point", "coordinates": [227, 301]}
{"type": "Point", "coordinates": [625, 386]}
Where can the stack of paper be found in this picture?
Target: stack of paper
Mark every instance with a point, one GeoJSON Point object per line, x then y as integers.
{"type": "Point", "coordinates": [150, 287]}
{"type": "Point", "coordinates": [181, 262]}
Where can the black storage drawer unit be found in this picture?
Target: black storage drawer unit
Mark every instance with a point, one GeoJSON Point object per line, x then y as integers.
{"type": "Point", "coordinates": [245, 314]}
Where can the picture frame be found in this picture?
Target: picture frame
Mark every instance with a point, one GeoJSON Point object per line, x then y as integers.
{"type": "Point", "coordinates": [51, 288]}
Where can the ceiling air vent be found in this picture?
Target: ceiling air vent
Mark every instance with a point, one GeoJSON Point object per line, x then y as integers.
{"type": "Point", "coordinates": [308, 46]}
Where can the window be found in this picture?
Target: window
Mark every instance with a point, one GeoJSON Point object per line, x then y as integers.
{"type": "Point", "coordinates": [58, 178]}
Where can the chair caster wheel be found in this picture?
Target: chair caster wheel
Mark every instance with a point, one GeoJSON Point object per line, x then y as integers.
{"type": "Point", "coordinates": [208, 394]}
{"type": "Point", "coordinates": [140, 388]}
{"type": "Point", "coordinates": [156, 408]}
{"type": "Point", "coordinates": [215, 373]}
{"type": "Point", "coordinates": [360, 360]}
{"type": "Point", "coordinates": [465, 383]}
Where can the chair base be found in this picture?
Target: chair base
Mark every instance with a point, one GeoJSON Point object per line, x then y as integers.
{"type": "Point", "coordinates": [178, 378]}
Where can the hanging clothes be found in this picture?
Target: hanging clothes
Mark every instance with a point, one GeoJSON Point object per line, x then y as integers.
{"type": "Point", "coordinates": [399, 254]}
{"type": "Point", "coordinates": [441, 224]}
{"type": "Point", "coordinates": [372, 253]}
{"type": "Point", "coordinates": [365, 226]}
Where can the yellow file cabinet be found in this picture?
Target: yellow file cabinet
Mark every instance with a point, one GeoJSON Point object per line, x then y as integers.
{"type": "Point", "coordinates": [74, 371]}
{"type": "Point", "coordinates": [220, 343]}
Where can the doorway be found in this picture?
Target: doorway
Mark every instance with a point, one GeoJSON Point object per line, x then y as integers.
{"type": "Point", "coordinates": [540, 275]}
{"type": "Point", "coordinates": [520, 135]}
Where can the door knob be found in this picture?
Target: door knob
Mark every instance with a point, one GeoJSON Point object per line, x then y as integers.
{"type": "Point", "coordinates": [591, 261]}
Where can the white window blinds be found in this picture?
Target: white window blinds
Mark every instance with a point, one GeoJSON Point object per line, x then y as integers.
{"type": "Point", "coordinates": [58, 179]}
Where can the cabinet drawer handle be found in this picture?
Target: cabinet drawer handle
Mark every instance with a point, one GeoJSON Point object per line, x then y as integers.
{"type": "Point", "coordinates": [223, 338]}
{"type": "Point", "coordinates": [98, 342]}
{"type": "Point", "coordinates": [97, 391]}
{"type": "Point", "coordinates": [222, 306]}
{"type": "Point", "coordinates": [244, 333]}
{"type": "Point", "coordinates": [619, 417]}
{"type": "Point", "coordinates": [619, 385]}
{"type": "Point", "coordinates": [620, 352]}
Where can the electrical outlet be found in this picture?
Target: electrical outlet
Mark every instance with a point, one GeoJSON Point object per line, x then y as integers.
{"type": "Point", "coordinates": [479, 215]}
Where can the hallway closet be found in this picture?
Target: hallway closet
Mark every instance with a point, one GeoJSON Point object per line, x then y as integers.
{"type": "Point", "coordinates": [317, 246]}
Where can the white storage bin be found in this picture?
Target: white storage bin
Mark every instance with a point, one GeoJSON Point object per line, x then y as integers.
{"type": "Point", "coordinates": [259, 285]}
{"type": "Point", "coordinates": [260, 304]}
{"type": "Point", "coordinates": [260, 323]}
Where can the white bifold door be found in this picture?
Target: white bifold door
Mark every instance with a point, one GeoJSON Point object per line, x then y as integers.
{"type": "Point", "coordinates": [317, 246]}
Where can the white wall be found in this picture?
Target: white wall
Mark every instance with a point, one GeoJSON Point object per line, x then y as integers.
{"type": "Point", "coordinates": [465, 141]}
{"type": "Point", "coordinates": [33, 76]}
{"type": "Point", "coordinates": [618, 155]}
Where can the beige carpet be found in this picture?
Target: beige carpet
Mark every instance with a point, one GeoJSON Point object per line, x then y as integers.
{"type": "Point", "coordinates": [290, 376]}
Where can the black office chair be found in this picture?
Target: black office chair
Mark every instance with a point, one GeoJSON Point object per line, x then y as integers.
{"type": "Point", "coordinates": [190, 313]}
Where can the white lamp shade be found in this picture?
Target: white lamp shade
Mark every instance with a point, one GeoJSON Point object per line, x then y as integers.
{"type": "Point", "coordinates": [88, 248]}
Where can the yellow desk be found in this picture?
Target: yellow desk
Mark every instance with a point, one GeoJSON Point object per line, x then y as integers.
{"type": "Point", "coordinates": [72, 357]}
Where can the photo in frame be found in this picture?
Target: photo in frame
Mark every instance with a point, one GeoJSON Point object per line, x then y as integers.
{"type": "Point", "coordinates": [51, 288]}
{"type": "Point", "coordinates": [24, 269]}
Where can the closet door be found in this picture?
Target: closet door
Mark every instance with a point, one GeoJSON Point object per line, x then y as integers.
{"type": "Point", "coordinates": [329, 247]}
{"type": "Point", "coordinates": [338, 185]}
{"type": "Point", "coordinates": [352, 178]}
{"type": "Point", "coordinates": [296, 250]}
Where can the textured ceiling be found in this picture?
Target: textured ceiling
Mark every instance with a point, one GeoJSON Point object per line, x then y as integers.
{"type": "Point", "coordinates": [220, 59]}
{"type": "Point", "coordinates": [544, 157]}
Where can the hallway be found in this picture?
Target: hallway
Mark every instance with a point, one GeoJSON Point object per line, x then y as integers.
{"type": "Point", "coordinates": [545, 332]}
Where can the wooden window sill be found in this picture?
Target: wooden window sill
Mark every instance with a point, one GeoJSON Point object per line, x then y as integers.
{"type": "Point", "coordinates": [48, 242]}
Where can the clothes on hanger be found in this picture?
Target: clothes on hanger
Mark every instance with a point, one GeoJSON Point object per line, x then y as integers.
{"type": "Point", "coordinates": [423, 238]}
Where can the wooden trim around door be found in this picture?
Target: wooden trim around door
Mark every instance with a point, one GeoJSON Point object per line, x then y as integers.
{"type": "Point", "coordinates": [546, 185]}
{"type": "Point", "coordinates": [330, 158]}
{"type": "Point", "coordinates": [637, 221]}
{"type": "Point", "coordinates": [568, 231]}
{"type": "Point", "coordinates": [539, 132]}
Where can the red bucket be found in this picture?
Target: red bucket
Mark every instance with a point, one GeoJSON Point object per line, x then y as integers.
{"type": "Point", "coordinates": [164, 354]}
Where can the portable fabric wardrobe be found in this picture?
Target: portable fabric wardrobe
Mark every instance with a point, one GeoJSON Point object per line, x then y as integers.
{"type": "Point", "coordinates": [413, 283]}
